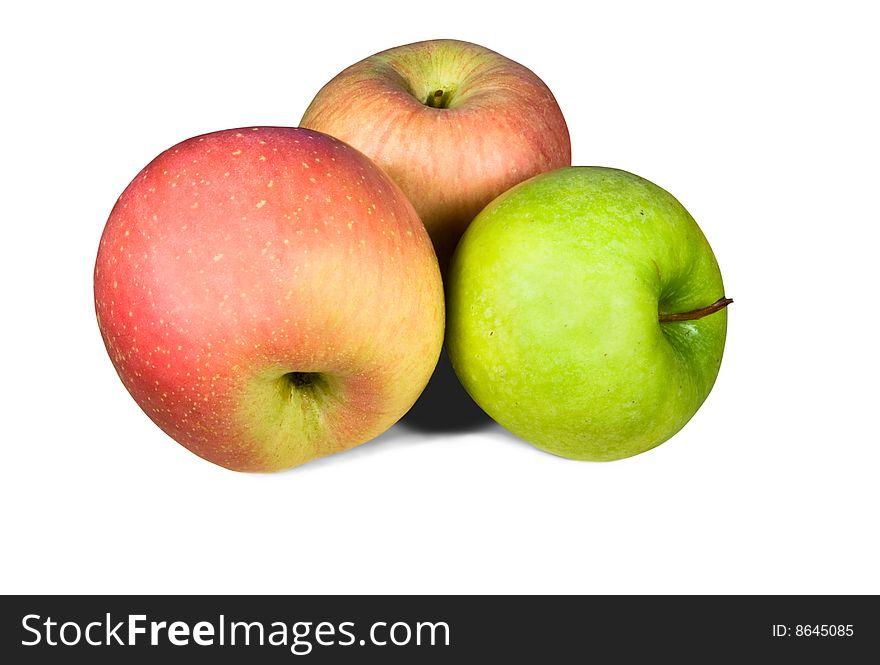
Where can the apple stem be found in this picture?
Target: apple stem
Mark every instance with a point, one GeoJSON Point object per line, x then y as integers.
{"type": "Point", "coordinates": [439, 99]}
{"type": "Point", "coordinates": [694, 314]}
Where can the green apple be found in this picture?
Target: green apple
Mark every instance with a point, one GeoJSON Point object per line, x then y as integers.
{"type": "Point", "coordinates": [586, 313]}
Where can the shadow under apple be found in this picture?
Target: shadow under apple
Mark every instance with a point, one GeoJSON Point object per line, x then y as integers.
{"type": "Point", "coordinates": [445, 406]}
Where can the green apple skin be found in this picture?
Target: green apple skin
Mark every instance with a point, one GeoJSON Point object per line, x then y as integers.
{"type": "Point", "coordinates": [554, 299]}
{"type": "Point", "coordinates": [494, 124]}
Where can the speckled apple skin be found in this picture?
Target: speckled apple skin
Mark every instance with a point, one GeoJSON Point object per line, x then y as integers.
{"type": "Point", "coordinates": [503, 126]}
{"type": "Point", "coordinates": [237, 257]}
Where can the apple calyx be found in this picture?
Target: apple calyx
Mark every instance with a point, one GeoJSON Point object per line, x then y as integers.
{"type": "Point", "coordinates": [439, 99]}
{"type": "Point", "coordinates": [694, 314]}
{"type": "Point", "coordinates": [301, 379]}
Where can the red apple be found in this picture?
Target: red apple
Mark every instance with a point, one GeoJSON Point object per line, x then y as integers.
{"type": "Point", "coordinates": [268, 296]}
{"type": "Point", "coordinates": [453, 123]}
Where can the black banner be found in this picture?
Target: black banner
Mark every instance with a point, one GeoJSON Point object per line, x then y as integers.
{"type": "Point", "coordinates": [438, 629]}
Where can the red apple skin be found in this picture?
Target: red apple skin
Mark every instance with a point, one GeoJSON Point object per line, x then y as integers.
{"type": "Point", "coordinates": [503, 126]}
{"type": "Point", "coordinates": [240, 256]}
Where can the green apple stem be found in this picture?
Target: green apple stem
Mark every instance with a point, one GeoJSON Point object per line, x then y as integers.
{"type": "Point", "coordinates": [694, 314]}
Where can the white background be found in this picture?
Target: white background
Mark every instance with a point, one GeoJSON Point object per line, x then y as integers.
{"type": "Point", "coordinates": [762, 119]}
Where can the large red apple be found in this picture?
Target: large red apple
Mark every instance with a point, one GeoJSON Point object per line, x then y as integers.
{"type": "Point", "coordinates": [268, 296]}
{"type": "Point", "coordinates": [453, 123]}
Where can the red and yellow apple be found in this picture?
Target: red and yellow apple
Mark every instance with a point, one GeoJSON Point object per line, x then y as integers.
{"type": "Point", "coordinates": [454, 124]}
{"type": "Point", "coordinates": [268, 296]}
